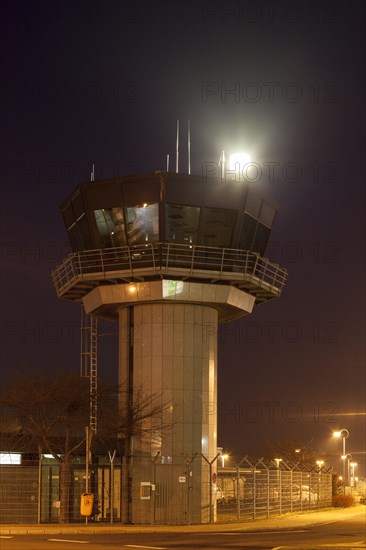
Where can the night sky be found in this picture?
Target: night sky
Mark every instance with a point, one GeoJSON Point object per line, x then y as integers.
{"type": "Point", "coordinates": [103, 83]}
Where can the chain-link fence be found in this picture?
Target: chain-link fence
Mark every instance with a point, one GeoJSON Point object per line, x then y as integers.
{"type": "Point", "coordinates": [159, 490]}
{"type": "Point", "coordinates": [260, 488]}
{"type": "Point", "coordinates": [32, 491]}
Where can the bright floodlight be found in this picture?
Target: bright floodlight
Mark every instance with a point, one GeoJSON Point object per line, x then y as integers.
{"type": "Point", "coordinates": [238, 158]}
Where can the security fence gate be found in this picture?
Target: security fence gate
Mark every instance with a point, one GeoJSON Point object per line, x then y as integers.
{"type": "Point", "coordinates": [247, 489]}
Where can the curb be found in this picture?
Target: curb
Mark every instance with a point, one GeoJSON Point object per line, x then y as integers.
{"type": "Point", "coordinates": [280, 522]}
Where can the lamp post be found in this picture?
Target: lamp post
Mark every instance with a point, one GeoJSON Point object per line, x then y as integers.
{"type": "Point", "coordinates": [278, 461]}
{"type": "Point", "coordinates": [320, 464]}
{"type": "Point", "coordinates": [223, 458]}
{"type": "Point", "coordinates": [347, 458]}
{"type": "Point", "coordinates": [279, 484]}
{"type": "Point", "coordinates": [343, 434]}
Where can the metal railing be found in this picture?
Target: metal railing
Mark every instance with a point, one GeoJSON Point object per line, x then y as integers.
{"type": "Point", "coordinates": [169, 259]}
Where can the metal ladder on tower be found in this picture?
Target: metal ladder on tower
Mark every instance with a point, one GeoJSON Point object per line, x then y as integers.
{"type": "Point", "coordinates": [89, 362]}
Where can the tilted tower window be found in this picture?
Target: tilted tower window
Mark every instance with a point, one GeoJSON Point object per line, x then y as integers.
{"type": "Point", "coordinates": [111, 227]}
{"type": "Point", "coordinates": [142, 223]}
{"type": "Point", "coordinates": [181, 223]}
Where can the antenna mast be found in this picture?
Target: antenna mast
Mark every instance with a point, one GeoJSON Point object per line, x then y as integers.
{"type": "Point", "coordinates": [189, 147]}
{"type": "Point", "coordinates": [223, 165]}
{"type": "Point", "coordinates": [177, 149]}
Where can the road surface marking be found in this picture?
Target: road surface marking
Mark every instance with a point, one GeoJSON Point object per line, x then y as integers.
{"type": "Point", "coordinates": [335, 545]}
{"type": "Point", "coordinates": [139, 546]}
{"type": "Point", "coordinates": [6, 537]}
{"type": "Point", "coordinates": [66, 540]}
{"type": "Point", "coordinates": [257, 532]}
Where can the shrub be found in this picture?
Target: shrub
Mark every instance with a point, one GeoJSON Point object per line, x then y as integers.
{"type": "Point", "coordinates": [343, 501]}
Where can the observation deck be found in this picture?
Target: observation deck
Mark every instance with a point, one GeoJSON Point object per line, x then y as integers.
{"type": "Point", "coordinates": [82, 271]}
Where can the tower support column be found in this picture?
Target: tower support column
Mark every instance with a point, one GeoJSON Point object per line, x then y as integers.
{"type": "Point", "coordinates": [168, 355]}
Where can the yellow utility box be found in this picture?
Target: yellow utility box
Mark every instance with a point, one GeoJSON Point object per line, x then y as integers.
{"type": "Point", "coordinates": [86, 504]}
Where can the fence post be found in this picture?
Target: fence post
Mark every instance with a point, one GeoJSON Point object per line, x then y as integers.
{"type": "Point", "coordinates": [254, 493]}
{"type": "Point", "coordinates": [280, 489]}
{"type": "Point", "coordinates": [154, 488]}
{"type": "Point", "coordinates": [39, 485]}
{"type": "Point", "coordinates": [237, 493]}
{"type": "Point", "coordinates": [210, 483]}
{"type": "Point", "coordinates": [188, 464]}
{"type": "Point", "coordinates": [111, 460]}
{"type": "Point", "coordinates": [301, 490]}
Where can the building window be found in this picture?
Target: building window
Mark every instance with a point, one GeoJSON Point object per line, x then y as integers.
{"type": "Point", "coordinates": [261, 239]}
{"type": "Point", "coordinates": [10, 458]}
{"type": "Point", "coordinates": [267, 214]}
{"type": "Point", "coordinates": [142, 224]}
{"type": "Point", "coordinates": [111, 227]}
{"type": "Point", "coordinates": [181, 223]}
{"type": "Point", "coordinates": [247, 232]}
{"type": "Point", "coordinates": [218, 227]}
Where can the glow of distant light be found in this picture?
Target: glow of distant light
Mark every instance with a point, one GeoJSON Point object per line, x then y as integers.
{"type": "Point", "coordinates": [238, 158]}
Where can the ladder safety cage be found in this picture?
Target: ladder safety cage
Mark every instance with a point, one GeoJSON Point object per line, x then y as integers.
{"type": "Point", "coordinates": [89, 362]}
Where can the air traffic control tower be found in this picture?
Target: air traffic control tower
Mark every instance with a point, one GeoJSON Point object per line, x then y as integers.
{"type": "Point", "coordinates": [169, 256]}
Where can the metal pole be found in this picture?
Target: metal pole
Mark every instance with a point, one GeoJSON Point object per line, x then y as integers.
{"type": "Point", "coordinates": [254, 494]}
{"type": "Point", "coordinates": [291, 482]}
{"type": "Point", "coordinates": [210, 487]}
{"type": "Point", "coordinates": [189, 148]}
{"type": "Point", "coordinates": [86, 463]}
{"type": "Point", "coordinates": [154, 489]}
{"type": "Point", "coordinates": [39, 484]}
{"type": "Point", "coordinates": [188, 465]}
{"type": "Point", "coordinates": [268, 490]}
{"type": "Point", "coordinates": [238, 493]}
{"type": "Point", "coordinates": [210, 483]}
{"type": "Point", "coordinates": [111, 460]}
{"type": "Point", "coordinates": [301, 490]}
{"type": "Point", "coordinates": [177, 150]}
{"type": "Point", "coordinates": [280, 490]}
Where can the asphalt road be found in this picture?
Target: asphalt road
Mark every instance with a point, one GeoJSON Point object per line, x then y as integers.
{"type": "Point", "coordinates": [344, 534]}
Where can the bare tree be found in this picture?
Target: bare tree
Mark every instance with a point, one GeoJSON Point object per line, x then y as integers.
{"type": "Point", "coordinates": [50, 413]}
{"type": "Point", "coordinates": [292, 451]}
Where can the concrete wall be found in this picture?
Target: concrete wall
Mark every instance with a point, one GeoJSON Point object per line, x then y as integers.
{"type": "Point", "coordinates": [173, 357]}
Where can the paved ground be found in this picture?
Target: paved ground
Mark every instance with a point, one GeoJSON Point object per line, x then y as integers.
{"type": "Point", "coordinates": [291, 520]}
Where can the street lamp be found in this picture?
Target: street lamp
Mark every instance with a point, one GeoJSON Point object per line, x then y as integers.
{"type": "Point", "coordinates": [347, 458]}
{"type": "Point", "coordinates": [278, 461]}
{"type": "Point", "coordinates": [301, 455]}
{"type": "Point", "coordinates": [343, 434]}
{"type": "Point", "coordinates": [223, 458]}
{"type": "Point", "coordinates": [319, 463]}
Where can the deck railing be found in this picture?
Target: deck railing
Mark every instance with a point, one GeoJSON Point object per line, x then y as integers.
{"type": "Point", "coordinates": [168, 258]}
